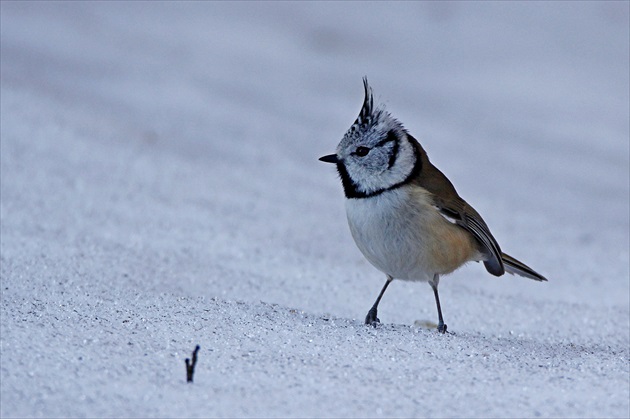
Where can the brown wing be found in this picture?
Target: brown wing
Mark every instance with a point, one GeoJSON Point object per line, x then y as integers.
{"type": "Point", "coordinates": [449, 203]}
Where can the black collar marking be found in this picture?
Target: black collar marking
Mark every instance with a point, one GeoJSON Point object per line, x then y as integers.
{"type": "Point", "coordinates": [351, 189]}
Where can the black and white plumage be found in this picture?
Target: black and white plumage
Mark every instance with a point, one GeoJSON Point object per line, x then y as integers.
{"type": "Point", "coordinates": [404, 214]}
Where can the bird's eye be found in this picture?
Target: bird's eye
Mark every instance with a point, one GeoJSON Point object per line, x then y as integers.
{"type": "Point", "coordinates": [362, 151]}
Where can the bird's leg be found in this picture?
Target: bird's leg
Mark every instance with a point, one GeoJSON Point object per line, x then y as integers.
{"type": "Point", "coordinates": [434, 284]}
{"type": "Point", "coordinates": [371, 316]}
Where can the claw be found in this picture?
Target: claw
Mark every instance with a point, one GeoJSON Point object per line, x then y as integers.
{"type": "Point", "coordinates": [371, 318]}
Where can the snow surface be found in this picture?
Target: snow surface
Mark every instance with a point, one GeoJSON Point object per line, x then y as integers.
{"type": "Point", "coordinates": [161, 189]}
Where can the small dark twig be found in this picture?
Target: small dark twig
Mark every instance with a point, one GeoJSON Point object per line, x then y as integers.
{"type": "Point", "coordinates": [190, 366]}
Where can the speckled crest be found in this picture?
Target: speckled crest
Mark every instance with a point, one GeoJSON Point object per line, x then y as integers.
{"type": "Point", "coordinates": [371, 124]}
{"type": "Point", "coordinates": [375, 153]}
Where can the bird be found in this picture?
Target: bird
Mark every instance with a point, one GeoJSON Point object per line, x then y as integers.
{"type": "Point", "coordinates": [404, 214]}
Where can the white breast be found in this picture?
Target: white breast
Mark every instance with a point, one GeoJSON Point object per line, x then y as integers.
{"type": "Point", "coordinates": [403, 235]}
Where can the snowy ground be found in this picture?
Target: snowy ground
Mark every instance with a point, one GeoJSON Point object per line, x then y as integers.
{"type": "Point", "coordinates": [161, 189]}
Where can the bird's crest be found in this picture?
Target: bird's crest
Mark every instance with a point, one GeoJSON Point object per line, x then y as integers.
{"type": "Point", "coordinates": [365, 116]}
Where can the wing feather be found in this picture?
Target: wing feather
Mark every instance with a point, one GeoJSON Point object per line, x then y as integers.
{"type": "Point", "coordinates": [456, 210]}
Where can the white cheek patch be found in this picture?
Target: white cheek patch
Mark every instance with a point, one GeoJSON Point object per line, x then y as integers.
{"type": "Point", "coordinates": [375, 172]}
{"type": "Point", "coordinates": [404, 163]}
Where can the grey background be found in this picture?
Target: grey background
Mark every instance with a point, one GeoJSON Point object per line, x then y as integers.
{"type": "Point", "coordinates": [160, 188]}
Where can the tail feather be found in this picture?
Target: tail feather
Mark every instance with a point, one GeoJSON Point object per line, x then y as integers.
{"type": "Point", "coordinates": [513, 266]}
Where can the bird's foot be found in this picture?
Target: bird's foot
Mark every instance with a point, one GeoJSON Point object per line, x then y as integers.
{"type": "Point", "coordinates": [371, 318]}
{"type": "Point", "coordinates": [441, 328]}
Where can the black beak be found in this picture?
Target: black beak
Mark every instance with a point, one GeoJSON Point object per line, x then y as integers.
{"type": "Point", "coordinates": [331, 158]}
